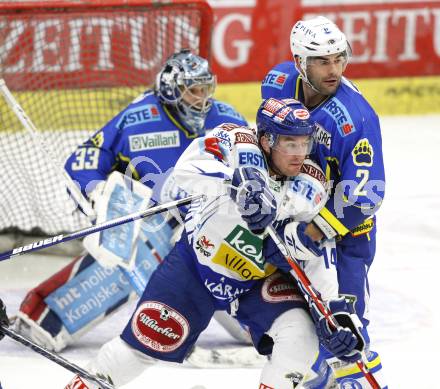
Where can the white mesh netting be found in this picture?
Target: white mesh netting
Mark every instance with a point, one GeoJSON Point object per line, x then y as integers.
{"type": "Point", "coordinates": [72, 69]}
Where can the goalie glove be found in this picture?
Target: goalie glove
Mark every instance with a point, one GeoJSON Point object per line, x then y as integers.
{"type": "Point", "coordinates": [95, 196]}
{"type": "Point", "coordinates": [301, 247]}
{"type": "Point", "coordinates": [4, 321]}
{"type": "Point", "coordinates": [346, 341]}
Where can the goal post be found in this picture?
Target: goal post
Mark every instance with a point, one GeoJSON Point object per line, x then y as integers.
{"type": "Point", "coordinates": [72, 65]}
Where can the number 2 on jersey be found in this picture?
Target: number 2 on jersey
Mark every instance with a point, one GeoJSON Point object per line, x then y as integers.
{"type": "Point", "coordinates": [363, 174]}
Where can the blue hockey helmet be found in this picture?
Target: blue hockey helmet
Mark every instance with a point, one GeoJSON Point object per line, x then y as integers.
{"type": "Point", "coordinates": [285, 117]}
{"type": "Point", "coordinates": [187, 84]}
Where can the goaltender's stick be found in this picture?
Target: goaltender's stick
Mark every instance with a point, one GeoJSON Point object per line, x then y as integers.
{"type": "Point", "coordinates": [104, 384]}
{"type": "Point", "coordinates": [32, 129]}
{"type": "Point", "coordinates": [311, 294]}
{"type": "Point", "coordinates": [54, 240]}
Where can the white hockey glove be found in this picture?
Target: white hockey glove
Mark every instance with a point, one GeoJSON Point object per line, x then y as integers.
{"type": "Point", "coordinates": [301, 247]}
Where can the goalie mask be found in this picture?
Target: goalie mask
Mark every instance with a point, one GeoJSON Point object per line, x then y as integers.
{"type": "Point", "coordinates": [187, 84]}
{"type": "Point", "coordinates": [317, 37]}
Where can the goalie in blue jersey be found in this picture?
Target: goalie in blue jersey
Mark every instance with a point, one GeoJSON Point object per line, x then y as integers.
{"type": "Point", "coordinates": [143, 142]}
{"type": "Point", "coordinates": [349, 151]}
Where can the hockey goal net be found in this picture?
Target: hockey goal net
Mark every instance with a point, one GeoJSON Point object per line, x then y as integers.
{"type": "Point", "coordinates": [72, 66]}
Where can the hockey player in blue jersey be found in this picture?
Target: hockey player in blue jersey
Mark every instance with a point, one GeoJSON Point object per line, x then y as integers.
{"type": "Point", "coordinates": [349, 150]}
{"type": "Point", "coordinates": [224, 261]}
{"type": "Point", "coordinates": [144, 142]}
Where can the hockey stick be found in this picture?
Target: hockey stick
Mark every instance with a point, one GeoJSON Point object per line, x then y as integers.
{"type": "Point", "coordinates": [310, 293]}
{"type": "Point", "coordinates": [58, 359]}
{"type": "Point", "coordinates": [54, 240]}
{"type": "Point", "coordinates": [32, 129]}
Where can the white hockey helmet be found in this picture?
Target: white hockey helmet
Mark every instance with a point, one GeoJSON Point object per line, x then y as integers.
{"type": "Point", "coordinates": [317, 37]}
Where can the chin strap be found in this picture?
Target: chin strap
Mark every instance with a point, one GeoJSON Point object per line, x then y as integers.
{"type": "Point", "coordinates": [308, 82]}
{"type": "Point", "coordinates": [303, 74]}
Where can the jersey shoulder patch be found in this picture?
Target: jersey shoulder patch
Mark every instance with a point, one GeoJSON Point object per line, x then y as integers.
{"type": "Point", "coordinates": [275, 79]}
{"type": "Point", "coordinates": [279, 81]}
{"type": "Point", "coordinates": [144, 111]}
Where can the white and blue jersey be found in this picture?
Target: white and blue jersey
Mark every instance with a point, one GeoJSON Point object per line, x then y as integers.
{"type": "Point", "coordinates": [350, 153]}
{"type": "Point", "coordinates": [218, 261]}
{"type": "Point", "coordinates": [144, 140]}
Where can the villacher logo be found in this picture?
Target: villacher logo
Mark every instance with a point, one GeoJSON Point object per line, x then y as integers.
{"type": "Point", "coordinates": [159, 327]}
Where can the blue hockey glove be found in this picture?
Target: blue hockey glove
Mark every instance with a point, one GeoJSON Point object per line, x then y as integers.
{"type": "Point", "coordinates": [255, 200]}
{"type": "Point", "coordinates": [346, 342]}
{"type": "Point", "coordinates": [301, 247]}
{"type": "Point", "coordinates": [3, 317]}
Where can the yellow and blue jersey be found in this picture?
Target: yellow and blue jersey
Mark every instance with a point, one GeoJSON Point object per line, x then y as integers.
{"type": "Point", "coordinates": [349, 150]}
{"type": "Point", "coordinates": [144, 140]}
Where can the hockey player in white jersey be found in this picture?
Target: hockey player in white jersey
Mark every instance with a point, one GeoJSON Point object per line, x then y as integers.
{"type": "Point", "coordinates": [225, 261]}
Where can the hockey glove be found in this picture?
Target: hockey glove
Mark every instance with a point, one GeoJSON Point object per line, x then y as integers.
{"type": "Point", "coordinates": [345, 342]}
{"type": "Point", "coordinates": [254, 199]}
{"type": "Point", "coordinates": [4, 321]}
{"type": "Point", "coordinates": [301, 247]}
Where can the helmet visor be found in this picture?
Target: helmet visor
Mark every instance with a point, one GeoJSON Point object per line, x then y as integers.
{"type": "Point", "coordinates": [300, 145]}
{"type": "Point", "coordinates": [333, 59]}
